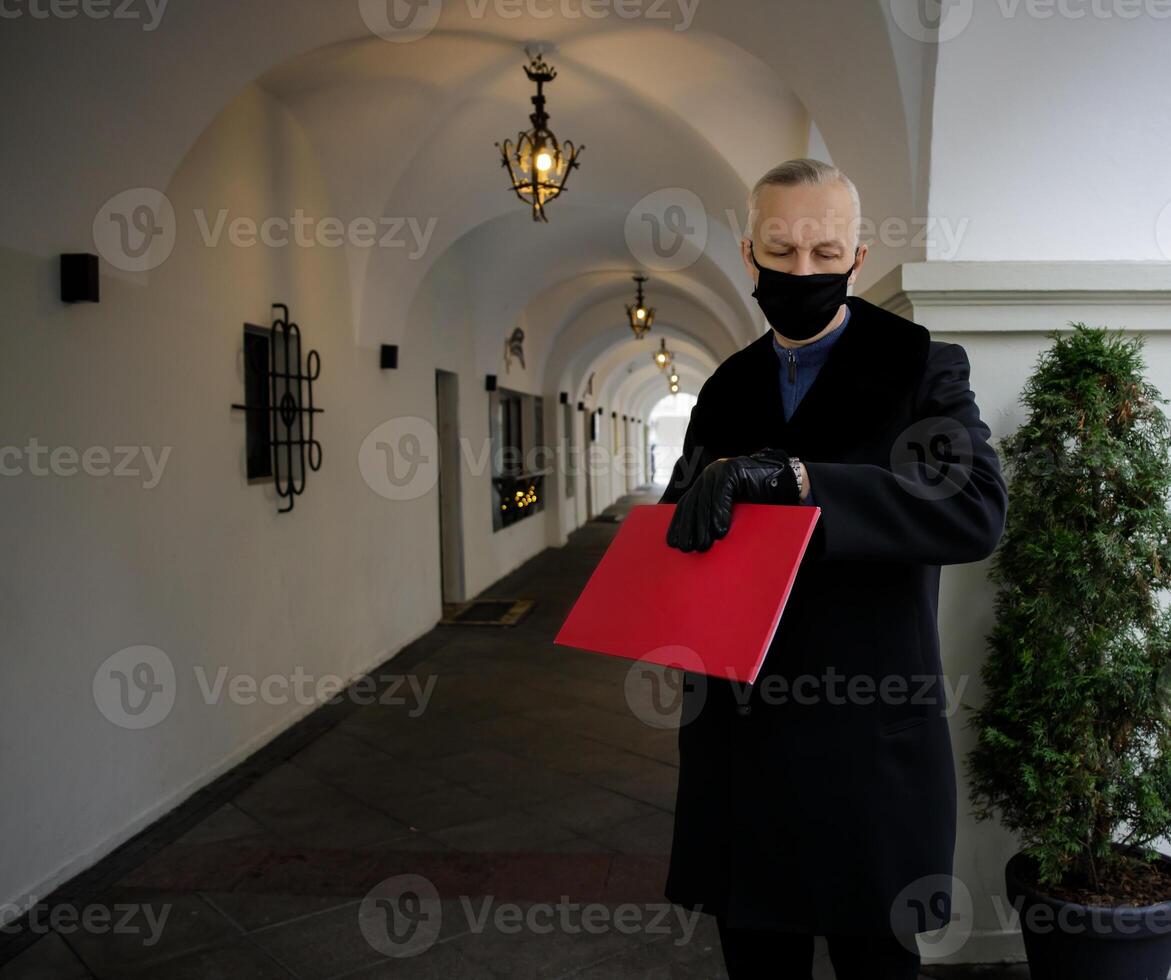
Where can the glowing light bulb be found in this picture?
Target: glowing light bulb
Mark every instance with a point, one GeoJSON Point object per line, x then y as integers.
{"type": "Point", "coordinates": [544, 160]}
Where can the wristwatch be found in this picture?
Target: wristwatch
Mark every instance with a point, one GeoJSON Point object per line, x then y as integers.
{"type": "Point", "coordinates": [796, 464]}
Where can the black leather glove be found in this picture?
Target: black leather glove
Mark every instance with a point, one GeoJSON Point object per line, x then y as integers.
{"type": "Point", "coordinates": [704, 513]}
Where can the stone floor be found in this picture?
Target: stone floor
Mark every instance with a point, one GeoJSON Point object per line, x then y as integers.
{"type": "Point", "coordinates": [516, 827]}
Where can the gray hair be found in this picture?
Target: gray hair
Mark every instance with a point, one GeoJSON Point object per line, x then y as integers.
{"type": "Point", "coordinates": [808, 171]}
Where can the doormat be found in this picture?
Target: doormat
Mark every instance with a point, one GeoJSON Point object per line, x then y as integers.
{"type": "Point", "coordinates": [487, 612]}
{"type": "Point", "coordinates": [606, 519]}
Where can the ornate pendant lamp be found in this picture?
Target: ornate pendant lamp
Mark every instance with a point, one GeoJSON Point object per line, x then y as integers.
{"type": "Point", "coordinates": [662, 357]}
{"type": "Point", "coordinates": [537, 164]}
{"type": "Point", "coordinates": [640, 315]}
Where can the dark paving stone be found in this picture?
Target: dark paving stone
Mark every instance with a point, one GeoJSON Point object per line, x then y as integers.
{"type": "Point", "coordinates": [648, 834]}
{"type": "Point", "coordinates": [998, 971]}
{"type": "Point", "coordinates": [654, 783]}
{"type": "Point", "coordinates": [364, 772]}
{"type": "Point", "coordinates": [303, 810]}
{"type": "Point", "coordinates": [324, 945]}
{"type": "Point", "coordinates": [442, 805]}
{"type": "Point", "coordinates": [504, 938]}
{"type": "Point", "coordinates": [443, 961]}
{"type": "Point", "coordinates": [590, 810]}
{"type": "Point", "coordinates": [511, 831]}
{"type": "Point", "coordinates": [311, 871]}
{"type": "Point", "coordinates": [332, 943]}
{"type": "Point", "coordinates": [417, 748]}
{"type": "Point", "coordinates": [226, 823]}
{"type": "Point", "coordinates": [672, 957]}
{"type": "Point", "coordinates": [502, 776]}
{"type": "Point", "coordinates": [49, 958]}
{"type": "Point", "coordinates": [250, 912]}
{"type": "Point", "coordinates": [177, 924]}
{"type": "Point", "coordinates": [237, 960]}
{"type": "Point", "coordinates": [191, 867]}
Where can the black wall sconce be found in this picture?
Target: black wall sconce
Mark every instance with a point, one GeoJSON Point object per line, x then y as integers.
{"type": "Point", "coordinates": [565, 398]}
{"type": "Point", "coordinates": [581, 406]}
{"type": "Point", "coordinates": [278, 397]}
{"type": "Point", "coordinates": [79, 278]}
{"type": "Point", "coordinates": [388, 356]}
{"type": "Point", "coordinates": [490, 383]}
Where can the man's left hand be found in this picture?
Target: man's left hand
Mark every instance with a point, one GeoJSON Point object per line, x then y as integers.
{"type": "Point", "coordinates": [704, 513]}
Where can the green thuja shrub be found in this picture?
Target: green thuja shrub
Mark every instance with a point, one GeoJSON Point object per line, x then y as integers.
{"type": "Point", "coordinates": [1074, 737]}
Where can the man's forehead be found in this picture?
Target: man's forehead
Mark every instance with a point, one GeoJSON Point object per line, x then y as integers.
{"type": "Point", "coordinates": [803, 231]}
{"type": "Point", "coordinates": [805, 214]}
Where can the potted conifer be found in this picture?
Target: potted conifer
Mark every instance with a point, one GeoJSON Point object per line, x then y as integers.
{"type": "Point", "coordinates": [1074, 737]}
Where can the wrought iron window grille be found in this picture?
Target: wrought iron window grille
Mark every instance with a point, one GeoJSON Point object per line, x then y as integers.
{"type": "Point", "coordinates": [278, 394]}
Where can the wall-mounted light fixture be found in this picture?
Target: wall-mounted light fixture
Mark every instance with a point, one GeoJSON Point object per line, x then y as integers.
{"type": "Point", "coordinates": [79, 278]}
{"type": "Point", "coordinates": [388, 356]}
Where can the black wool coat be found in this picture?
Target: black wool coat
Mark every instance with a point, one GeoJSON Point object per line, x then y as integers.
{"type": "Point", "coordinates": [830, 805]}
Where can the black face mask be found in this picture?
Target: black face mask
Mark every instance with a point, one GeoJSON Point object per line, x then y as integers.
{"type": "Point", "coordinates": [799, 306]}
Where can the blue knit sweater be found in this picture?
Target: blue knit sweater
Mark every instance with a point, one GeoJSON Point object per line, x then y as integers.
{"type": "Point", "coordinates": [803, 363]}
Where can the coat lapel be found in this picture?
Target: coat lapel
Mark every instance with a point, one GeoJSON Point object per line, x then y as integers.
{"type": "Point", "coordinates": [868, 371]}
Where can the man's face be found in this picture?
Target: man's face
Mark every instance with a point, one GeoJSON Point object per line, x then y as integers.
{"type": "Point", "coordinates": [804, 229]}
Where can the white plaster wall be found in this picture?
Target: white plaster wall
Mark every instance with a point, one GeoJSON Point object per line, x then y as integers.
{"type": "Point", "coordinates": [201, 566]}
{"type": "Point", "coordinates": [1049, 133]}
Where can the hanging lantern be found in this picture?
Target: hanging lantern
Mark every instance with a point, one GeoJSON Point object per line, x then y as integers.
{"type": "Point", "coordinates": [537, 164]}
{"type": "Point", "coordinates": [640, 315]}
{"type": "Point", "coordinates": [674, 377]}
{"type": "Point", "coordinates": [662, 357]}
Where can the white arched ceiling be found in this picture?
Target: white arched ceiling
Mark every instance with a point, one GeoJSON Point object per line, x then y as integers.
{"type": "Point", "coordinates": [512, 268]}
{"type": "Point", "coordinates": [647, 381]}
{"type": "Point", "coordinates": [155, 98]}
{"type": "Point", "coordinates": [650, 390]}
{"type": "Point", "coordinates": [630, 356]}
{"type": "Point", "coordinates": [406, 131]}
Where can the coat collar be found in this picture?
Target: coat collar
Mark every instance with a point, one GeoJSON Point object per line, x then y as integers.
{"type": "Point", "coordinates": [875, 363]}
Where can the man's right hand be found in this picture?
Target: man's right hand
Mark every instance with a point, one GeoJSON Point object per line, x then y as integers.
{"type": "Point", "coordinates": [704, 513]}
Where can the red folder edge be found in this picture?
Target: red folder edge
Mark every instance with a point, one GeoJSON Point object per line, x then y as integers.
{"type": "Point", "coordinates": [574, 626]}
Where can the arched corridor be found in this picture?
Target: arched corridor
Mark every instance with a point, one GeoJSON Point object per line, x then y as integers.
{"type": "Point", "coordinates": [295, 388]}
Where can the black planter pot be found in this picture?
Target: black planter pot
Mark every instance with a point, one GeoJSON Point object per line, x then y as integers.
{"type": "Point", "coordinates": [1067, 941]}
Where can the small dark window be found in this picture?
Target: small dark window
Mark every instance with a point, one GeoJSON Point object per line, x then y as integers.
{"type": "Point", "coordinates": [517, 477]}
{"type": "Point", "coordinates": [258, 447]}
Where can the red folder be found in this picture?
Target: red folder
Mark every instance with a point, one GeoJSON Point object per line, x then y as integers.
{"type": "Point", "coordinates": [712, 612]}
